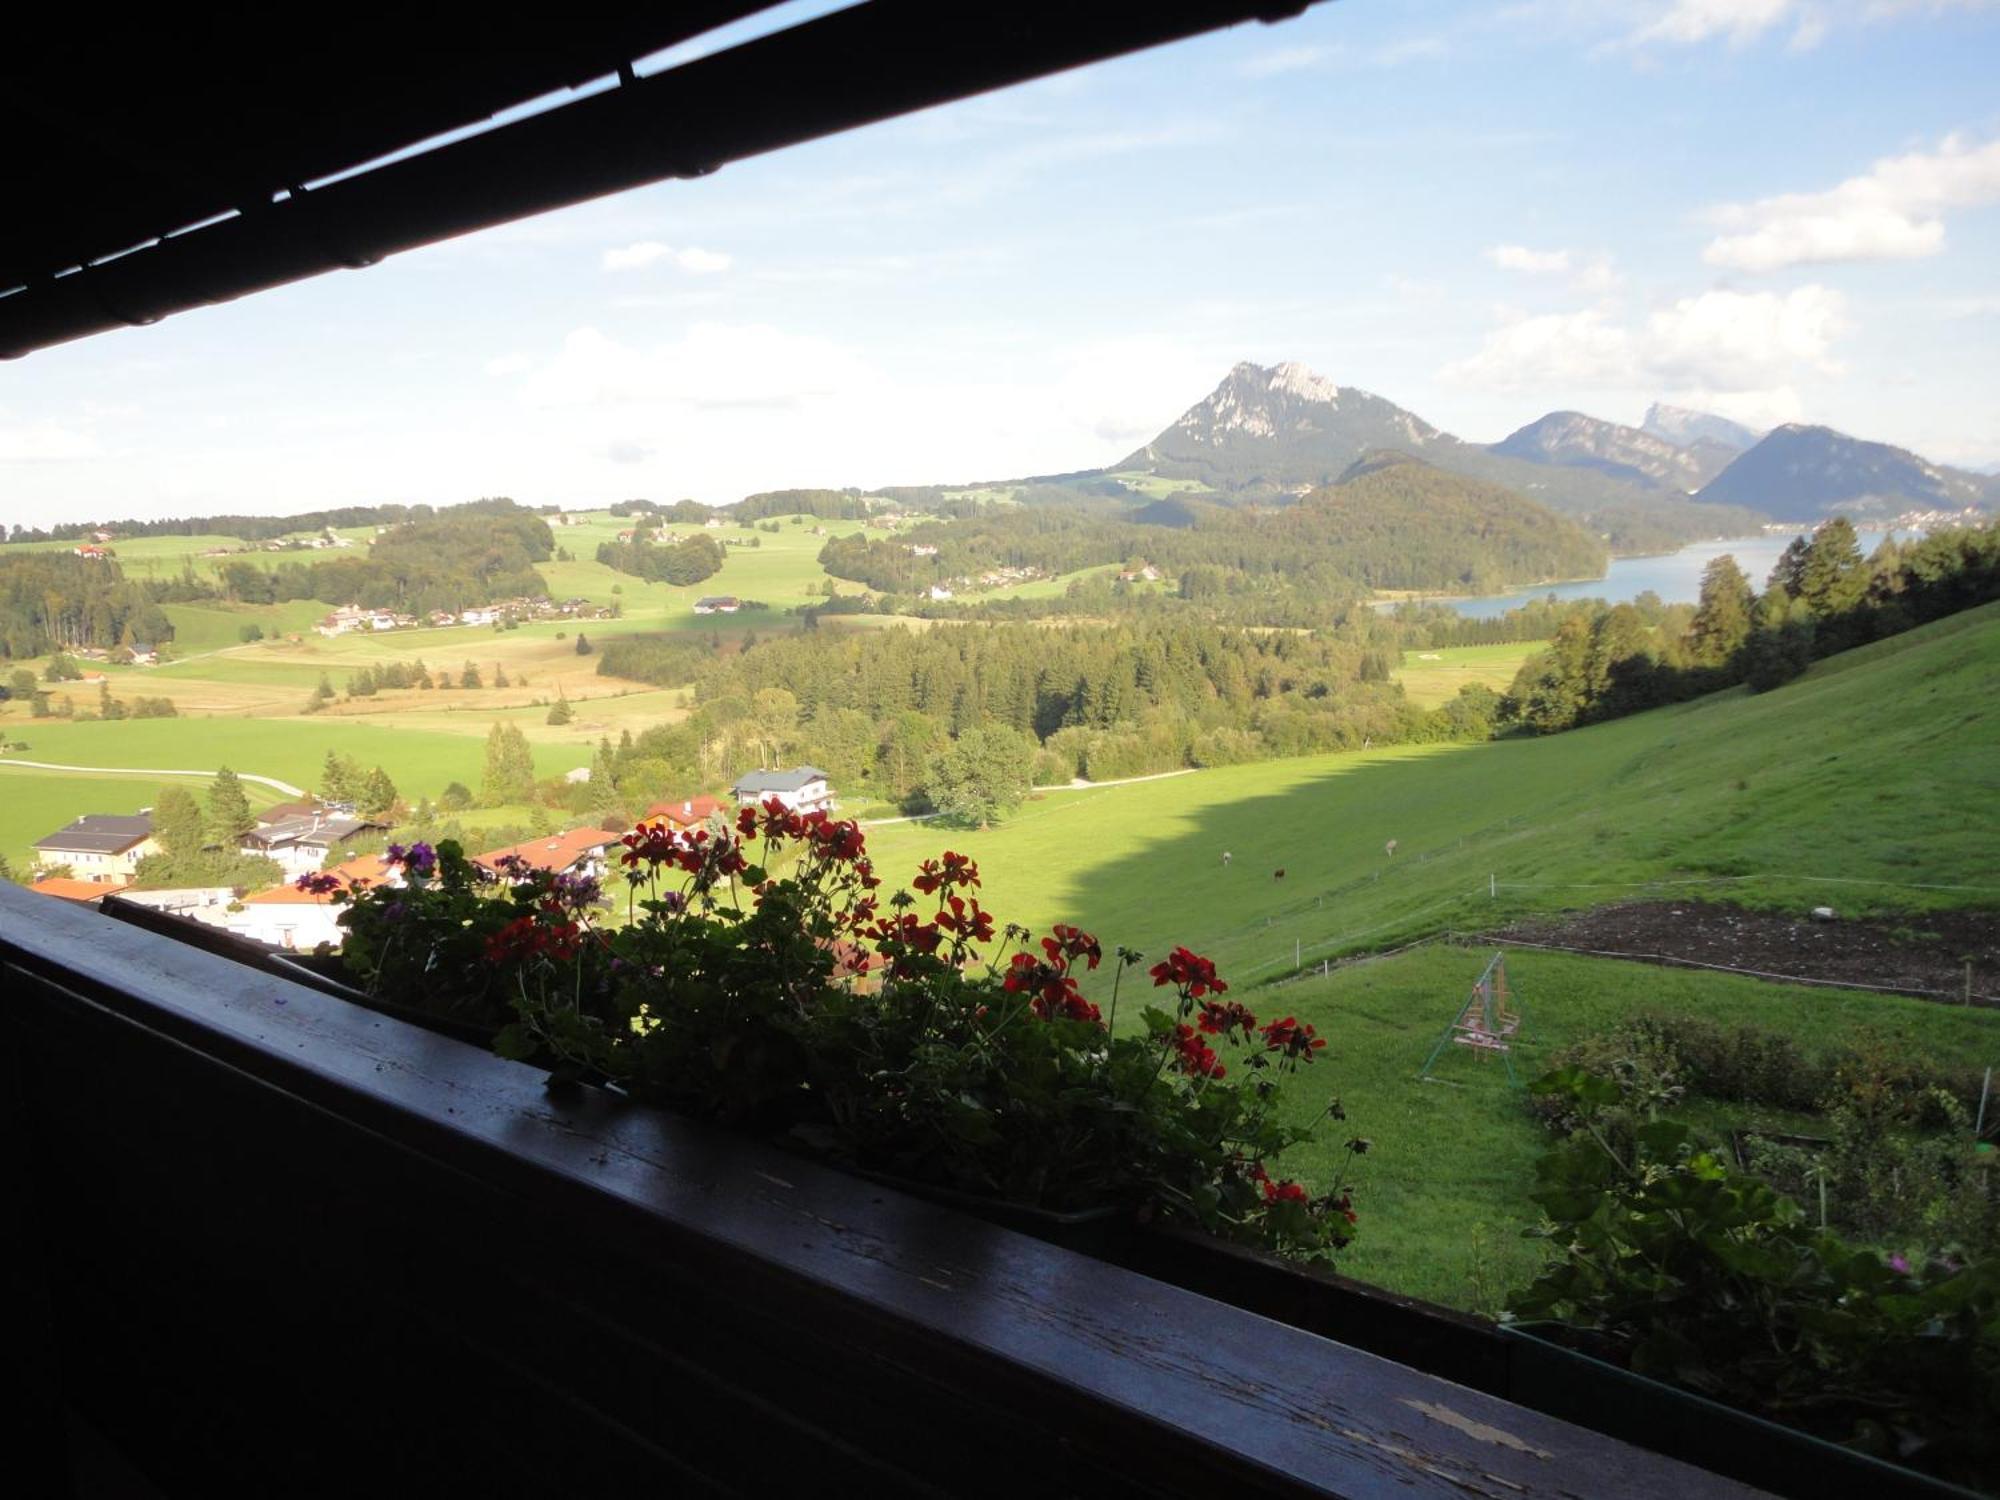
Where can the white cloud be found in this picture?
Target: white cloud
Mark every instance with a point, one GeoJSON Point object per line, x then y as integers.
{"type": "Point", "coordinates": [1592, 275]}
{"type": "Point", "coordinates": [1891, 212]}
{"type": "Point", "coordinates": [1686, 22]}
{"type": "Point", "coordinates": [1283, 60]}
{"type": "Point", "coordinates": [509, 364]}
{"type": "Point", "coordinates": [643, 253]}
{"type": "Point", "coordinates": [1719, 341]}
{"type": "Point", "coordinates": [1534, 262]}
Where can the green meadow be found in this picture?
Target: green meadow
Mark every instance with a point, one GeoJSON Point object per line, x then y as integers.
{"type": "Point", "coordinates": [1430, 678]}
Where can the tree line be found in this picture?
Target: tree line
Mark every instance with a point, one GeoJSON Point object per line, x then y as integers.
{"type": "Point", "coordinates": [1823, 596]}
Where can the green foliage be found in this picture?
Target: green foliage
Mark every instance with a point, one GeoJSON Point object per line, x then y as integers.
{"type": "Point", "coordinates": [560, 712]}
{"type": "Point", "coordinates": [686, 562]}
{"type": "Point", "coordinates": [377, 793]}
{"type": "Point", "coordinates": [454, 798]}
{"type": "Point", "coordinates": [229, 815]}
{"type": "Point", "coordinates": [1670, 1261]}
{"type": "Point", "coordinates": [987, 771]}
{"type": "Point", "coordinates": [178, 822]}
{"type": "Point", "coordinates": [55, 600]}
{"type": "Point", "coordinates": [510, 767]}
{"type": "Point", "coordinates": [960, 1073]}
{"type": "Point", "coordinates": [583, 646]}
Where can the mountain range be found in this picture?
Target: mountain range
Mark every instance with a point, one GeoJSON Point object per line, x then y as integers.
{"type": "Point", "coordinates": [1680, 476]}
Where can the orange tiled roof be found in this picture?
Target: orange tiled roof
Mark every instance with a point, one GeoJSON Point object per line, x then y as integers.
{"type": "Point", "coordinates": [66, 889]}
{"type": "Point", "coordinates": [556, 852]}
{"type": "Point", "coordinates": [688, 812]}
{"type": "Point", "coordinates": [368, 867]}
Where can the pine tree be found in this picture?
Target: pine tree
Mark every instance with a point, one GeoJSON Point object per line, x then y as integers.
{"type": "Point", "coordinates": [178, 823]}
{"type": "Point", "coordinates": [499, 675]}
{"type": "Point", "coordinates": [337, 778]}
{"type": "Point", "coordinates": [378, 793]}
{"type": "Point", "coordinates": [510, 767]}
{"type": "Point", "coordinates": [469, 678]}
{"type": "Point", "coordinates": [1834, 576]}
{"type": "Point", "coordinates": [560, 712]}
{"type": "Point", "coordinates": [323, 694]}
{"type": "Point", "coordinates": [583, 646]}
{"type": "Point", "coordinates": [1721, 621]}
{"type": "Point", "coordinates": [229, 815]}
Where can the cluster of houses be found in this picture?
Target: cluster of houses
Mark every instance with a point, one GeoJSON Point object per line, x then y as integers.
{"type": "Point", "coordinates": [102, 853]}
{"type": "Point", "coordinates": [351, 617]}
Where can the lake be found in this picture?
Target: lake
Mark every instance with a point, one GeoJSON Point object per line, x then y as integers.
{"type": "Point", "coordinates": [1674, 576]}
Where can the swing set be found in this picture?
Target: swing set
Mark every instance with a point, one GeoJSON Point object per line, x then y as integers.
{"type": "Point", "coordinates": [1486, 1024]}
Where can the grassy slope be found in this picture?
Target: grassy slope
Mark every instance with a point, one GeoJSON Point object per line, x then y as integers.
{"type": "Point", "coordinates": [35, 803]}
{"type": "Point", "coordinates": [1443, 1191]}
{"type": "Point", "coordinates": [1882, 765]}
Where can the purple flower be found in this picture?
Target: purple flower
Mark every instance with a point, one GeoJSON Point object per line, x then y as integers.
{"type": "Point", "coordinates": [421, 860]}
{"type": "Point", "coordinates": [576, 890]}
{"type": "Point", "coordinates": [1899, 1265]}
{"type": "Point", "coordinates": [395, 911]}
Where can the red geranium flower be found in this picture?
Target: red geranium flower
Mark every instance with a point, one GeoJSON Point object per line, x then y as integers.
{"type": "Point", "coordinates": [1293, 1037]}
{"type": "Point", "coordinates": [1190, 972]}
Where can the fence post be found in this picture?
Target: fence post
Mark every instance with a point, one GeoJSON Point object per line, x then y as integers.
{"type": "Point", "coordinates": [1297, 954]}
{"type": "Point", "coordinates": [1492, 887]}
{"type": "Point", "coordinates": [1968, 981]}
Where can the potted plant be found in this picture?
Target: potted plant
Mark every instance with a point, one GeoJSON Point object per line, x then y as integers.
{"type": "Point", "coordinates": [761, 979]}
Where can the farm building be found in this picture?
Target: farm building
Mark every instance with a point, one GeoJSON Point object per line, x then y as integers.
{"type": "Point", "coordinates": [717, 604]}
{"type": "Point", "coordinates": [299, 921]}
{"type": "Point", "coordinates": [301, 844]}
{"type": "Point", "coordinates": [103, 848]}
{"type": "Point", "coordinates": [803, 789]}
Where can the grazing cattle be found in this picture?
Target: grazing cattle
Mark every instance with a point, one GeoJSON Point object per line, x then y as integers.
{"type": "Point", "coordinates": [1277, 874]}
{"type": "Point", "coordinates": [1390, 848]}
{"type": "Point", "coordinates": [1225, 859]}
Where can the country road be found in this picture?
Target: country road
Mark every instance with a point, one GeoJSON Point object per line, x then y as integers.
{"type": "Point", "coordinates": [272, 782]}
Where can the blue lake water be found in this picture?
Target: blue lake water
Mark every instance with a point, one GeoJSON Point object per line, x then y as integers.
{"type": "Point", "coordinates": [1674, 576]}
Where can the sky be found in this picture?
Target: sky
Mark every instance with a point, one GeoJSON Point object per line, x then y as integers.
{"type": "Point", "coordinates": [1781, 210]}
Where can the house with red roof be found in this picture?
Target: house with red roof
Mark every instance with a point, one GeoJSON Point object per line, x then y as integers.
{"type": "Point", "coordinates": [299, 921]}
{"type": "Point", "coordinates": [581, 851]}
{"type": "Point", "coordinates": [688, 812]}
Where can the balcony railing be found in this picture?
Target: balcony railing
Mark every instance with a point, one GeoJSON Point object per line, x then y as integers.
{"type": "Point", "coordinates": [280, 1244]}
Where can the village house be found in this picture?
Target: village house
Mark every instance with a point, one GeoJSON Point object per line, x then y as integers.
{"type": "Point", "coordinates": [581, 851]}
{"type": "Point", "coordinates": [717, 604]}
{"type": "Point", "coordinates": [299, 921]}
{"type": "Point", "coordinates": [688, 812]}
{"type": "Point", "coordinates": [481, 614]}
{"type": "Point", "coordinates": [300, 845]}
{"type": "Point", "coordinates": [92, 551]}
{"type": "Point", "coordinates": [102, 848]}
{"type": "Point", "coordinates": [802, 789]}
{"type": "Point", "coordinates": [922, 549]}
{"type": "Point", "coordinates": [938, 591]}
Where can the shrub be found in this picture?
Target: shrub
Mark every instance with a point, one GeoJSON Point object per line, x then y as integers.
{"type": "Point", "coordinates": [882, 1032]}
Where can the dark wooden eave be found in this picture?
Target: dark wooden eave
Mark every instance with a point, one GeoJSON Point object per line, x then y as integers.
{"type": "Point", "coordinates": [168, 169]}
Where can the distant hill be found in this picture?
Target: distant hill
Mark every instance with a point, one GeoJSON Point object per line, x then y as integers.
{"type": "Point", "coordinates": [1802, 473]}
{"type": "Point", "coordinates": [1627, 453]}
{"type": "Point", "coordinates": [1686, 428]}
{"type": "Point", "coordinates": [1284, 427]}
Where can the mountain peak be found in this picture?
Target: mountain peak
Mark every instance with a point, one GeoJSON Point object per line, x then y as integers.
{"type": "Point", "coordinates": [1685, 426]}
{"type": "Point", "coordinates": [1638, 455]}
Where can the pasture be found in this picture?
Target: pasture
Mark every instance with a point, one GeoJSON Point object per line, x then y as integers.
{"type": "Point", "coordinates": [1430, 678]}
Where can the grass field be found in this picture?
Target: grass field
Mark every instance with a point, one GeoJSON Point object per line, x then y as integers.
{"type": "Point", "coordinates": [36, 803]}
{"type": "Point", "coordinates": [1433, 677]}
{"type": "Point", "coordinates": [1881, 765]}
{"type": "Point", "coordinates": [1443, 1189]}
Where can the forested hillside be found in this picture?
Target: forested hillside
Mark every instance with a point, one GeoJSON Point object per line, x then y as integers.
{"type": "Point", "coordinates": [57, 601]}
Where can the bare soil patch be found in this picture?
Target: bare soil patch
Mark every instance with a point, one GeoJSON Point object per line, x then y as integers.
{"type": "Point", "coordinates": [1926, 951]}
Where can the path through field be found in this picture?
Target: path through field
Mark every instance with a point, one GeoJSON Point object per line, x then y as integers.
{"type": "Point", "coordinates": [283, 787]}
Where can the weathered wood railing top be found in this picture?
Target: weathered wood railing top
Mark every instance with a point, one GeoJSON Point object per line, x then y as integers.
{"type": "Point", "coordinates": [847, 1326]}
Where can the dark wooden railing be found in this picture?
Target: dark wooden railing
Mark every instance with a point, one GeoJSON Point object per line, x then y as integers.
{"type": "Point", "coordinates": [279, 1244]}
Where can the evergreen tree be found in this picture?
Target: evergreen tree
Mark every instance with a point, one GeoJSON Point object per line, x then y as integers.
{"type": "Point", "coordinates": [229, 815]}
{"type": "Point", "coordinates": [469, 678]}
{"type": "Point", "coordinates": [499, 675]}
{"type": "Point", "coordinates": [1781, 641]}
{"type": "Point", "coordinates": [510, 767]}
{"type": "Point", "coordinates": [1789, 573]}
{"type": "Point", "coordinates": [378, 793]}
{"type": "Point", "coordinates": [455, 797]}
{"type": "Point", "coordinates": [338, 778]}
{"type": "Point", "coordinates": [323, 694]}
{"type": "Point", "coordinates": [178, 822]}
{"type": "Point", "coordinates": [1722, 619]}
{"type": "Point", "coordinates": [583, 646]}
{"type": "Point", "coordinates": [1834, 577]}
{"type": "Point", "coordinates": [560, 712]}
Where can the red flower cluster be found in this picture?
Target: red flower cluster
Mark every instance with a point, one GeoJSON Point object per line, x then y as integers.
{"type": "Point", "coordinates": [831, 838]}
{"type": "Point", "coordinates": [1069, 943]}
{"type": "Point", "coordinates": [1053, 995]}
{"type": "Point", "coordinates": [1293, 1037]}
{"type": "Point", "coordinates": [697, 852]}
{"type": "Point", "coordinates": [524, 939]}
{"type": "Point", "coordinates": [966, 919]}
{"type": "Point", "coordinates": [1193, 1056]}
{"type": "Point", "coordinates": [1192, 973]}
{"type": "Point", "coordinates": [945, 872]}
{"type": "Point", "coordinates": [1219, 1018]}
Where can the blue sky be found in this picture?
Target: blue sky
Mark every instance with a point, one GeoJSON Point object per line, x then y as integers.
{"type": "Point", "coordinates": [1778, 209]}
